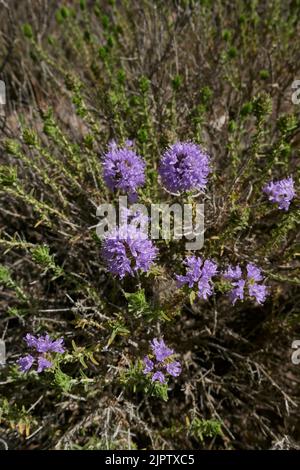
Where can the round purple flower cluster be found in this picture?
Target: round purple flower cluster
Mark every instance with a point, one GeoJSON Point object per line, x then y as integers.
{"type": "Point", "coordinates": [43, 346]}
{"type": "Point", "coordinates": [161, 362]}
{"type": "Point", "coordinates": [198, 272]}
{"type": "Point", "coordinates": [127, 250]}
{"type": "Point", "coordinates": [184, 167]}
{"type": "Point", "coordinates": [281, 192]}
{"type": "Point", "coordinates": [252, 283]}
{"type": "Point", "coordinates": [123, 169]}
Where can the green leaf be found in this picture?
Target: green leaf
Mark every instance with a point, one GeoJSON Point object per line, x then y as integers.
{"type": "Point", "coordinates": [201, 428]}
{"type": "Point", "coordinates": [63, 380]}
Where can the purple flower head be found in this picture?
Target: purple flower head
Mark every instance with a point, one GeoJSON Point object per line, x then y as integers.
{"type": "Point", "coordinates": [123, 169]}
{"type": "Point", "coordinates": [193, 272]}
{"type": "Point", "coordinates": [25, 362]}
{"type": "Point", "coordinates": [281, 192]}
{"type": "Point", "coordinates": [43, 363]}
{"type": "Point", "coordinates": [209, 269]}
{"type": "Point", "coordinates": [160, 350]}
{"type": "Point", "coordinates": [126, 250]}
{"type": "Point", "coordinates": [57, 346]}
{"type": "Point", "coordinates": [43, 346]}
{"type": "Point", "coordinates": [46, 344]}
{"type": "Point", "coordinates": [184, 167]}
{"type": "Point", "coordinates": [173, 368]}
{"type": "Point", "coordinates": [200, 273]}
{"type": "Point", "coordinates": [158, 377]}
{"type": "Point", "coordinates": [254, 276]}
{"type": "Point", "coordinates": [253, 273]}
{"type": "Point", "coordinates": [162, 362]}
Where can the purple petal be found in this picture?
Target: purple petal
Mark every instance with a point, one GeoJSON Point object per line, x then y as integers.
{"type": "Point", "coordinates": [160, 350]}
{"type": "Point", "coordinates": [205, 288]}
{"type": "Point", "coordinates": [174, 368]}
{"type": "Point", "coordinates": [259, 292]}
{"type": "Point", "coordinates": [43, 363]}
{"type": "Point", "coordinates": [57, 346]}
{"type": "Point", "coordinates": [25, 362]}
{"type": "Point", "coordinates": [254, 272]}
{"type": "Point", "coordinates": [238, 291]}
{"type": "Point", "coordinates": [158, 377]}
{"type": "Point", "coordinates": [31, 340]}
{"type": "Point", "coordinates": [148, 365]}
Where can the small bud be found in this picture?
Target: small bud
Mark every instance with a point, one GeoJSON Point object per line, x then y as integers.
{"type": "Point", "coordinates": [51, 40]}
{"type": "Point", "coordinates": [65, 12]}
{"type": "Point", "coordinates": [30, 137]}
{"type": "Point", "coordinates": [27, 31]}
{"type": "Point", "coordinates": [5, 276]}
{"type": "Point", "coordinates": [142, 135]}
{"type": "Point", "coordinates": [12, 146]}
{"type": "Point", "coordinates": [58, 16]}
{"type": "Point", "coordinates": [121, 76]}
{"type": "Point", "coordinates": [102, 51]}
{"type": "Point", "coordinates": [262, 105]}
{"type": "Point", "coordinates": [8, 175]}
{"type": "Point", "coordinates": [285, 150]}
{"type": "Point", "coordinates": [205, 94]}
{"type": "Point", "coordinates": [247, 109]}
{"type": "Point", "coordinates": [144, 84]}
{"type": "Point", "coordinates": [177, 82]}
{"type": "Point", "coordinates": [287, 123]}
{"type": "Point", "coordinates": [88, 141]}
{"type": "Point", "coordinates": [232, 126]}
{"type": "Point", "coordinates": [72, 83]}
{"type": "Point", "coordinates": [110, 42]}
{"type": "Point", "coordinates": [105, 21]}
{"type": "Point", "coordinates": [226, 35]}
{"type": "Point", "coordinates": [232, 52]}
{"type": "Point", "coordinates": [134, 101]}
{"type": "Point", "coordinates": [264, 74]}
{"type": "Point", "coordinates": [49, 129]}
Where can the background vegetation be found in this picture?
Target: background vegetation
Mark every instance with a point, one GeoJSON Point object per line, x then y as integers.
{"type": "Point", "coordinates": [78, 74]}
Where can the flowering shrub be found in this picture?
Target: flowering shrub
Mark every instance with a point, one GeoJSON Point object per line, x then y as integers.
{"type": "Point", "coordinates": [149, 344]}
